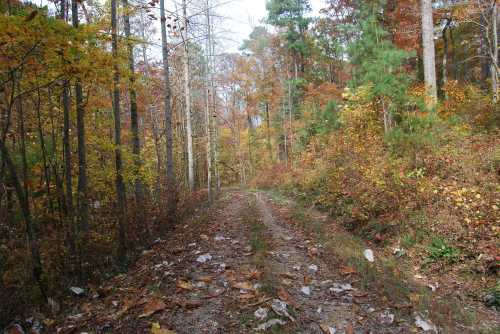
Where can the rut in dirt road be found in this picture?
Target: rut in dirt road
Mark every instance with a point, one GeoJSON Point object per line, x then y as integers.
{"type": "Point", "coordinates": [324, 300]}
{"type": "Point", "coordinates": [235, 269]}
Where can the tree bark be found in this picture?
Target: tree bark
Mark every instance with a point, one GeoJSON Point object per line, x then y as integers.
{"type": "Point", "coordinates": [494, 62]}
{"type": "Point", "coordinates": [187, 92]}
{"type": "Point", "coordinates": [25, 210]}
{"type": "Point", "coordinates": [429, 53]}
{"type": "Point", "coordinates": [208, 112]}
{"type": "Point", "coordinates": [171, 188]}
{"type": "Point", "coordinates": [268, 132]}
{"type": "Point", "coordinates": [134, 123]}
{"type": "Point", "coordinates": [41, 138]}
{"type": "Point", "coordinates": [445, 59]}
{"type": "Point", "coordinates": [83, 205]}
{"type": "Point", "coordinates": [120, 186]}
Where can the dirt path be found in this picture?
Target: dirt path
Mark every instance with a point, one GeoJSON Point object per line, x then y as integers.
{"type": "Point", "coordinates": [326, 300]}
{"type": "Point", "coordinates": [234, 269]}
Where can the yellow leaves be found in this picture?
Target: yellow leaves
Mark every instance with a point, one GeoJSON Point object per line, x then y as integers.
{"type": "Point", "coordinates": [243, 285]}
{"type": "Point", "coordinates": [184, 284]}
{"type": "Point", "coordinates": [156, 329]}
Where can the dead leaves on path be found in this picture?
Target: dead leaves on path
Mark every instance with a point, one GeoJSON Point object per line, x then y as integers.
{"type": "Point", "coordinates": [184, 284]}
{"type": "Point", "coordinates": [286, 297]}
{"type": "Point", "coordinates": [153, 306]}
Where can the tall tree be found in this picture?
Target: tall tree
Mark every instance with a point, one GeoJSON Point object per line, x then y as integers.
{"type": "Point", "coordinates": [379, 63]}
{"type": "Point", "coordinates": [494, 47]}
{"type": "Point", "coordinates": [187, 95]}
{"type": "Point", "coordinates": [291, 15]}
{"type": "Point", "coordinates": [134, 117]}
{"type": "Point", "coordinates": [171, 186]}
{"type": "Point", "coordinates": [429, 53]}
{"type": "Point", "coordinates": [83, 201]}
{"type": "Point", "coordinates": [210, 107]}
{"type": "Point", "coordinates": [120, 186]}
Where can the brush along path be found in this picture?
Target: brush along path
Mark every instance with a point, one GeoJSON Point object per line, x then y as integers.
{"type": "Point", "coordinates": [234, 269]}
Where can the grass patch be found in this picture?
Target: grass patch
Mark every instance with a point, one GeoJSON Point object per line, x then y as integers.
{"type": "Point", "coordinates": [260, 247]}
{"type": "Point", "coordinates": [439, 251]}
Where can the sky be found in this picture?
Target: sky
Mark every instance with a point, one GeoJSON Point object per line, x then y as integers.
{"type": "Point", "coordinates": [238, 18]}
{"type": "Point", "coordinates": [242, 15]}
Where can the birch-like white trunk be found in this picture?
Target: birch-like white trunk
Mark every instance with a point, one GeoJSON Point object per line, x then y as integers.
{"type": "Point", "coordinates": [187, 92]}
{"type": "Point", "coordinates": [494, 61]}
{"type": "Point", "coordinates": [429, 53]}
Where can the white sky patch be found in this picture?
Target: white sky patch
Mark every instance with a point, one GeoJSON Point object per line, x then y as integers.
{"type": "Point", "coordinates": [238, 18]}
{"type": "Point", "coordinates": [241, 16]}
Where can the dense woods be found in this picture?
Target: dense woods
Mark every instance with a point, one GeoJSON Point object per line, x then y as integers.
{"type": "Point", "coordinates": [119, 119]}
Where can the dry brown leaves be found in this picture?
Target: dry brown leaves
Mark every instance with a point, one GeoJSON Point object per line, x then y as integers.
{"type": "Point", "coordinates": [153, 306]}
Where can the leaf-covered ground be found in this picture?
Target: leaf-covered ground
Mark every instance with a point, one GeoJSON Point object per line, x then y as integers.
{"type": "Point", "coordinates": [243, 267]}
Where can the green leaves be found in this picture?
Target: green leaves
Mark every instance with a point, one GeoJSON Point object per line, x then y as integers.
{"type": "Point", "coordinates": [439, 250]}
{"type": "Point", "coordinates": [377, 61]}
{"type": "Point", "coordinates": [291, 14]}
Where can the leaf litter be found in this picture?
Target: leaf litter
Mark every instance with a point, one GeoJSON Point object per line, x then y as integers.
{"type": "Point", "coordinates": [169, 291]}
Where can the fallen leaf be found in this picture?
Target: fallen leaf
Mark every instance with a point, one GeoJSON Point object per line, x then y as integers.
{"type": "Point", "coordinates": [348, 271]}
{"type": "Point", "coordinates": [206, 279]}
{"type": "Point", "coordinates": [254, 274]}
{"type": "Point", "coordinates": [184, 284]}
{"type": "Point", "coordinates": [156, 329]}
{"type": "Point", "coordinates": [286, 297]}
{"type": "Point", "coordinates": [247, 296]}
{"type": "Point", "coordinates": [243, 285]}
{"type": "Point", "coordinates": [414, 298]}
{"type": "Point", "coordinates": [349, 329]}
{"type": "Point", "coordinates": [189, 304]}
{"type": "Point", "coordinates": [327, 329]}
{"type": "Point", "coordinates": [288, 275]}
{"type": "Point", "coordinates": [153, 306]}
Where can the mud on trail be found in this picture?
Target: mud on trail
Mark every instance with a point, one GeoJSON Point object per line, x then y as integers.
{"type": "Point", "coordinates": [236, 268]}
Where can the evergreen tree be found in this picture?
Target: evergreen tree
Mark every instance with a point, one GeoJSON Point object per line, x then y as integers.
{"type": "Point", "coordinates": [291, 15]}
{"type": "Point", "coordinates": [377, 62]}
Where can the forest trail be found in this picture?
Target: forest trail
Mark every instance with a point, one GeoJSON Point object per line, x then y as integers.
{"type": "Point", "coordinates": [235, 268]}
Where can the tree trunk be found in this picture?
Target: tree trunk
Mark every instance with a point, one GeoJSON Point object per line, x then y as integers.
{"type": "Point", "coordinates": [268, 132]}
{"type": "Point", "coordinates": [494, 62]}
{"type": "Point", "coordinates": [25, 210]}
{"type": "Point", "coordinates": [187, 93]}
{"type": "Point", "coordinates": [208, 113]}
{"type": "Point", "coordinates": [134, 122]}
{"type": "Point", "coordinates": [485, 58]}
{"type": "Point", "coordinates": [120, 187]}
{"type": "Point", "coordinates": [171, 188]}
{"type": "Point", "coordinates": [24, 160]}
{"type": "Point", "coordinates": [83, 205]}
{"type": "Point", "coordinates": [41, 138]}
{"type": "Point", "coordinates": [429, 54]}
{"type": "Point", "coordinates": [445, 60]}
